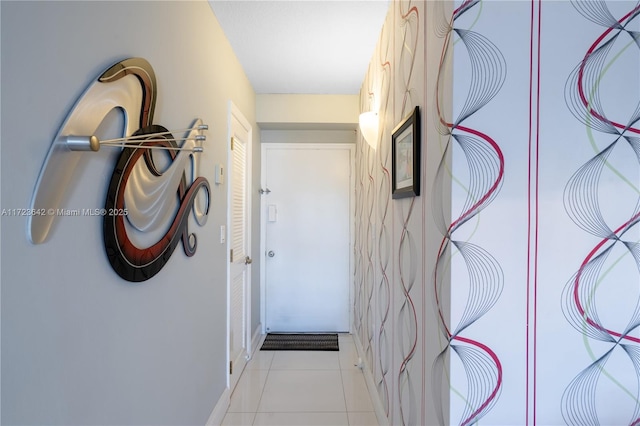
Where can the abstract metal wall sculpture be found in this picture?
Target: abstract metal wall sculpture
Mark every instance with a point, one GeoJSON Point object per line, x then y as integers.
{"type": "Point", "coordinates": [142, 197]}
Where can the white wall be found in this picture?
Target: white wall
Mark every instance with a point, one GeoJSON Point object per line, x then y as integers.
{"type": "Point", "coordinates": [80, 345]}
{"type": "Point", "coordinates": [308, 136]}
{"type": "Point", "coordinates": [299, 111]}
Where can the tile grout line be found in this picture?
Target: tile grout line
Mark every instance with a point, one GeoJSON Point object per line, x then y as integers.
{"type": "Point", "coordinates": [341, 353]}
{"type": "Point", "coordinates": [344, 394]}
{"type": "Point", "coordinates": [255, 414]}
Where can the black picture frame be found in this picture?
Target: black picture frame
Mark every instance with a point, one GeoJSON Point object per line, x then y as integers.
{"type": "Point", "coordinates": [405, 157]}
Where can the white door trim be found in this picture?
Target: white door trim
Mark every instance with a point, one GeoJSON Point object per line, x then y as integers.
{"type": "Point", "coordinates": [235, 113]}
{"type": "Point", "coordinates": [263, 217]}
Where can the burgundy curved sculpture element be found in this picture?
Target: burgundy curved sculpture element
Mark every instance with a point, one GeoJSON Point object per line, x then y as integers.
{"type": "Point", "coordinates": [147, 78]}
{"type": "Point", "coordinates": [139, 264]}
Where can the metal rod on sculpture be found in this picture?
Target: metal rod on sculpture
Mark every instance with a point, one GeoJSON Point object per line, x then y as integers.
{"type": "Point", "coordinates": [167, 148]}
{"type": "Point", "coordinates": [137, 141]}
{"type": "Point", "coordinates": [92, 143]}
{"type": "Point", "coordinates": [170, 132]}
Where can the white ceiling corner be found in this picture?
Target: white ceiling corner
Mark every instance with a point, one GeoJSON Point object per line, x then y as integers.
{"type": "Point", "coordinates": [303, 46]}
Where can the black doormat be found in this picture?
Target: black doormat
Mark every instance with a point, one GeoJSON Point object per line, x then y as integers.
{"type": "Point", "coordinates": [300, 342]}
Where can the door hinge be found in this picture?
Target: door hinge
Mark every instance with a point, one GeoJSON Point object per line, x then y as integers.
{"type": "Point", "coordinates": [231, 255]}
{"type": "Point", "coordinates": [230, 367]}
{"type": "Point", "coordinates": [232, 140]}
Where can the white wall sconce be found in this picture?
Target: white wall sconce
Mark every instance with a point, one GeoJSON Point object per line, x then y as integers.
{"type": "Point", "coordinates": [369, 128]}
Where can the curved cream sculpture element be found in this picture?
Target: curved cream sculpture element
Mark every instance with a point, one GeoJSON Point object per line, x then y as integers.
{"type": "Point", "coordinates": [150, 199]}
{"type": "Point", "coordinates": [128, 85]}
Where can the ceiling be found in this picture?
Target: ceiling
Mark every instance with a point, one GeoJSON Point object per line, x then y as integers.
{"type": "Point", "coordinates": [303, 46]}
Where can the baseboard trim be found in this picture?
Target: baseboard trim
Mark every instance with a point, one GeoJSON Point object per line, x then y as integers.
{"type": "Point", "coordinates": [383, 420]}
{"type": "Point", "coordinates": [220, 410]}
{"type": "Point", "coordinates": [256, 340]}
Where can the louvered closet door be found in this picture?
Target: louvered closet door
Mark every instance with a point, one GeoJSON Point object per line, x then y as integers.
{"type": "Point", "coordinates": [239, 244]}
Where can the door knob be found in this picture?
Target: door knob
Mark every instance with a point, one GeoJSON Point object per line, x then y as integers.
{"type": "Point", "coordinates": [271, 253]}
{"type": "Point", "coordinates": [248, 260]}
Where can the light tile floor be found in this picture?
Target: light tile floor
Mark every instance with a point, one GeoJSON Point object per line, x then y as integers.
{"type": "Point", "coordinates": [302, 388]}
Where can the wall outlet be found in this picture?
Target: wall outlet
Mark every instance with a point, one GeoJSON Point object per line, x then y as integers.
{"type": "Point", "coordinates": [359, 363]}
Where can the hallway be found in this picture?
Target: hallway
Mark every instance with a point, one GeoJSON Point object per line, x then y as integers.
{"type": "Point", "coordinates": [298, 388]}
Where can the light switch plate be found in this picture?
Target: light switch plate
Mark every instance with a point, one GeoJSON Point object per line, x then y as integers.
{"type": "Point", "coordinates": [272, 213]}
{"type": "Point", "coordinates": [219, 174]}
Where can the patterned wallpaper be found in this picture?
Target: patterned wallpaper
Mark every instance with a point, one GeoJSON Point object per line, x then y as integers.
{"type": "Point", "coordinates": [507, 292]}
{"type": "Point", "coordinates": [600, 296]}
{"type": "Point", "coordinates": [477, 278]}
{"type": "Point", "coordinates": [391, 302]}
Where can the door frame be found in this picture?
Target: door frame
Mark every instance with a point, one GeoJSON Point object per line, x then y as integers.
{"type": "Point", "coordinates": [235, 113]}
{"type": "Point", "coordinates": [263, 217]}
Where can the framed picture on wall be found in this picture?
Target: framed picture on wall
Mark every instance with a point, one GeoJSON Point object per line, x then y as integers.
{"type": "Point", "coordinates": [405, 157]}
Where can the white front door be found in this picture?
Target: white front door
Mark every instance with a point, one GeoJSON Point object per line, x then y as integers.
{"type": "Point", "coordinates": [239, 222]}
{"type": "Point", "coordinates": [307, 237]}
